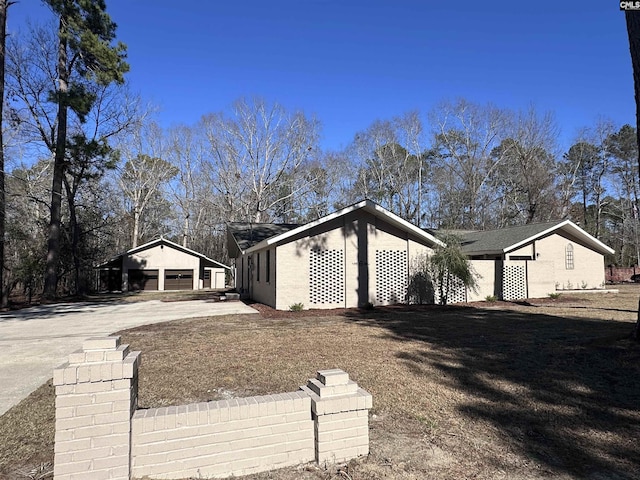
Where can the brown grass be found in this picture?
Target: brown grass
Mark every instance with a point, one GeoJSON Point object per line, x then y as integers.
{"type": "Point", "coordinates": [545, 389]}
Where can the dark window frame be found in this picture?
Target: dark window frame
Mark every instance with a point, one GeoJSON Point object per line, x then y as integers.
{"type": "Point", "coordinates": [268, 267]}
{"type": "Point", "coordinates": [258, 268]}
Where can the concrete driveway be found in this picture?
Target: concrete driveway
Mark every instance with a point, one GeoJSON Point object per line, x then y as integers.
{"type": "Point", "coordinates": [35, 340]}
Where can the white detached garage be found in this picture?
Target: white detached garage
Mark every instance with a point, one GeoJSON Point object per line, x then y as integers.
{"type": "Point", "coordinates": [161, 265]}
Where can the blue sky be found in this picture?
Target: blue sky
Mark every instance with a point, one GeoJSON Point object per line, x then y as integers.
{"type": "Point", "coordinates": [350, 62]}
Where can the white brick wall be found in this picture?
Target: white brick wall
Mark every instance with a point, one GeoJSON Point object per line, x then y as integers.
{"type": "Point", "coordinates": [217, 439]}
{"type": "Point", "coordinates": [96, 394]}
{"type": "Point", "coordinates": [100, 435]}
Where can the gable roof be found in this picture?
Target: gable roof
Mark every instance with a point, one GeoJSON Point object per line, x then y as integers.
{"type": "Point", "coordinates": [169, 243]}
{"type": "Point", "coordinates": [283, 231]}
{"type": "Point", "coordinates": [507, 239]}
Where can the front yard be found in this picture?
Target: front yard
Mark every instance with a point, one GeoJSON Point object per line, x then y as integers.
{"type": "Point", "coordinates": [505, 390]}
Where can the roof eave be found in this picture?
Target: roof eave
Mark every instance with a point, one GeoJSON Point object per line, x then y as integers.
{"type": "Point", "coordinates": [367, 205]}
{"type": "Point", "coordinates": [580, 233]}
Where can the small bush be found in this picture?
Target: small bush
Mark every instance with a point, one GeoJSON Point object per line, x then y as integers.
{"type": "Point", "coordinates": [584, 285]}
{"type": "Point", "coordinates": [490, 298]}
{"type": "Point", "coordinates": [368, 306]}
{"type": "Point", "coordinates": [296, 307]}
{"type": "Point", "coordinates": [554, 295]}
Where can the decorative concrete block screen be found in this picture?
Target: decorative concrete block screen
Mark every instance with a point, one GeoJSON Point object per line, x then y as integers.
{"type": "Point", "coordinates": [326, 276]}
{"type": "Point", "coordinates": [457, 292]}
{"type": "Point", "coordinates": [514, 283]}
{"type": "Point", "coordinates": [100, 435]}
{"type": "Point", "coordinates": [391, 276]}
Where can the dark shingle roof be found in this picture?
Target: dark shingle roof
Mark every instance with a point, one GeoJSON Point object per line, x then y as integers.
{"type": "Point", "coordinates": [248, 234]}
{"type": "Point", "coordinates": [498, 240]}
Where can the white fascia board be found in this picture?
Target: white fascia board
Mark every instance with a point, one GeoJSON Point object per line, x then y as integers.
{"type": "Point", "coordinates": [364, 204]}
{"type": "Point", "coordinates": [580, 233]}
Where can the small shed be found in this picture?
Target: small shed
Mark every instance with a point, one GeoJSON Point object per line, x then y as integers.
{"type": "Point", "coordinates": [161, 265]}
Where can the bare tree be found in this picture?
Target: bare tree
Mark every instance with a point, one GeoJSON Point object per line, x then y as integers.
{"type": "Point", "coordinates": [525, 160]}
{"type": "Point", "coordinates": [589, 158]}
{"type": "Point", "coordinates": [254, 151]}
{"type": "Point", "coordinates": [465, 135]}
{"type": "Point", "coordinates": [389, 164]}
{"type": "Point", "coordinates": [143, 174]}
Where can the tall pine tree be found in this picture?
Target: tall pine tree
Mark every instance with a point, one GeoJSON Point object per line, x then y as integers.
{"type": "Point", "coordinates": [85, 54]}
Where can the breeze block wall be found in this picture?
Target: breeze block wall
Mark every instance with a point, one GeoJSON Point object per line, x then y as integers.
{"type": "Point", "coordinates": [100, 435]}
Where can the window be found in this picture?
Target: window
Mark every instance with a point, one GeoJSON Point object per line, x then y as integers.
{"type": "Point", "coordinates": [258, 269]}
{"type": "Point", "coordinates": [568, 257]}
{"type": "Point", "coordinates": [268, 272]}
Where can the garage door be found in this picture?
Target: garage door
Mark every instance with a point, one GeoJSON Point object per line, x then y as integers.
{"type": "Point", "coordinates": [143, 279]}
{"type": "Point", "coordinates": [178, 279]}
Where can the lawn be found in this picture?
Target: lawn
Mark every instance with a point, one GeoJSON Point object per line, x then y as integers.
{"type": "Point", "coordinates": [547, 389]}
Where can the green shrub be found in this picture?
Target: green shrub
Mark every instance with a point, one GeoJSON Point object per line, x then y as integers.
{"type": "Point", "coordinates": [554, 295]}
{"type": "Point", "coordinates": [296, 307]}
{"type": "Point", "coordinates": [490, 298]}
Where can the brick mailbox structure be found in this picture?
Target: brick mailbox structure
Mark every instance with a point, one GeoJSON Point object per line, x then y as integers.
{"type": "Point", "coordinates": [100, 434]}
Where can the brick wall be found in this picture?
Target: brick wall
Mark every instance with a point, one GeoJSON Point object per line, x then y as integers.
{"type": "Point", "coordinates": [100, 435]}
{"type": "Point", "coordinates": [96, 394]}
{"type": "Point", "coordinates": [230, 437]}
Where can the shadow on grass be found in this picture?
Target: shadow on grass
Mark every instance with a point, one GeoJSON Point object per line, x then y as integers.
{"type": "Point", "coordinates": [563, 392]}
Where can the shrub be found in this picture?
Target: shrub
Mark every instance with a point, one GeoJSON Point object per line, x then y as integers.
{"type": "Point", "coordinates": [296, 307]}
{"type": "Point", "coordinates": [368, 306]}
{"type": "Point", "coordinates": [490, 298]}
{"type": "Point", "coordinates": [554, 295]}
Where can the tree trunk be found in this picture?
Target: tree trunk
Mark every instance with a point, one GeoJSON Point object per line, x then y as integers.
{"type": "Point", "coordinates": [633, 31]}
{"type": "Point", "coordinates": [136, 227]}
{"type": "Point", "coordinates": [53, 244]}
{"type": "Point", "coordinates": [185, 232]}
{"type": "Point", "coordinates": [75, 238]}
{"type": "Point", "coordinates": [4, 284]}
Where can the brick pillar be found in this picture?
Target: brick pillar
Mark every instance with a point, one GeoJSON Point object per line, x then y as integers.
{"type": "Point", "coordinates": [340, 410]}
{"type": "Point", "coordinates": [96, 395]}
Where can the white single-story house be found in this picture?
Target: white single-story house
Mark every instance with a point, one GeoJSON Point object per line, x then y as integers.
{"type": "Point", "coordinates": [161, 265]}
{"type": "Point", "coordinates": [358, 255]}
{"type": "Point", "coordinates": [365, 254]}
{"type": "Point", "coordinates": [531, 261]}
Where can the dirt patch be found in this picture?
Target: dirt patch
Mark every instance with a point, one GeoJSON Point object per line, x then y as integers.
{"type": "Point", "coordinates": [494, 391]}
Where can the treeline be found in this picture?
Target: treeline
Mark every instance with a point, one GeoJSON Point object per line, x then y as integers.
{"type": "Point", "coordinates": [125, 180]}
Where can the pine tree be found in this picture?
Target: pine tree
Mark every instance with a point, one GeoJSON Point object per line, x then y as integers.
{"type": "Point", "coordinates": [85, 54]}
